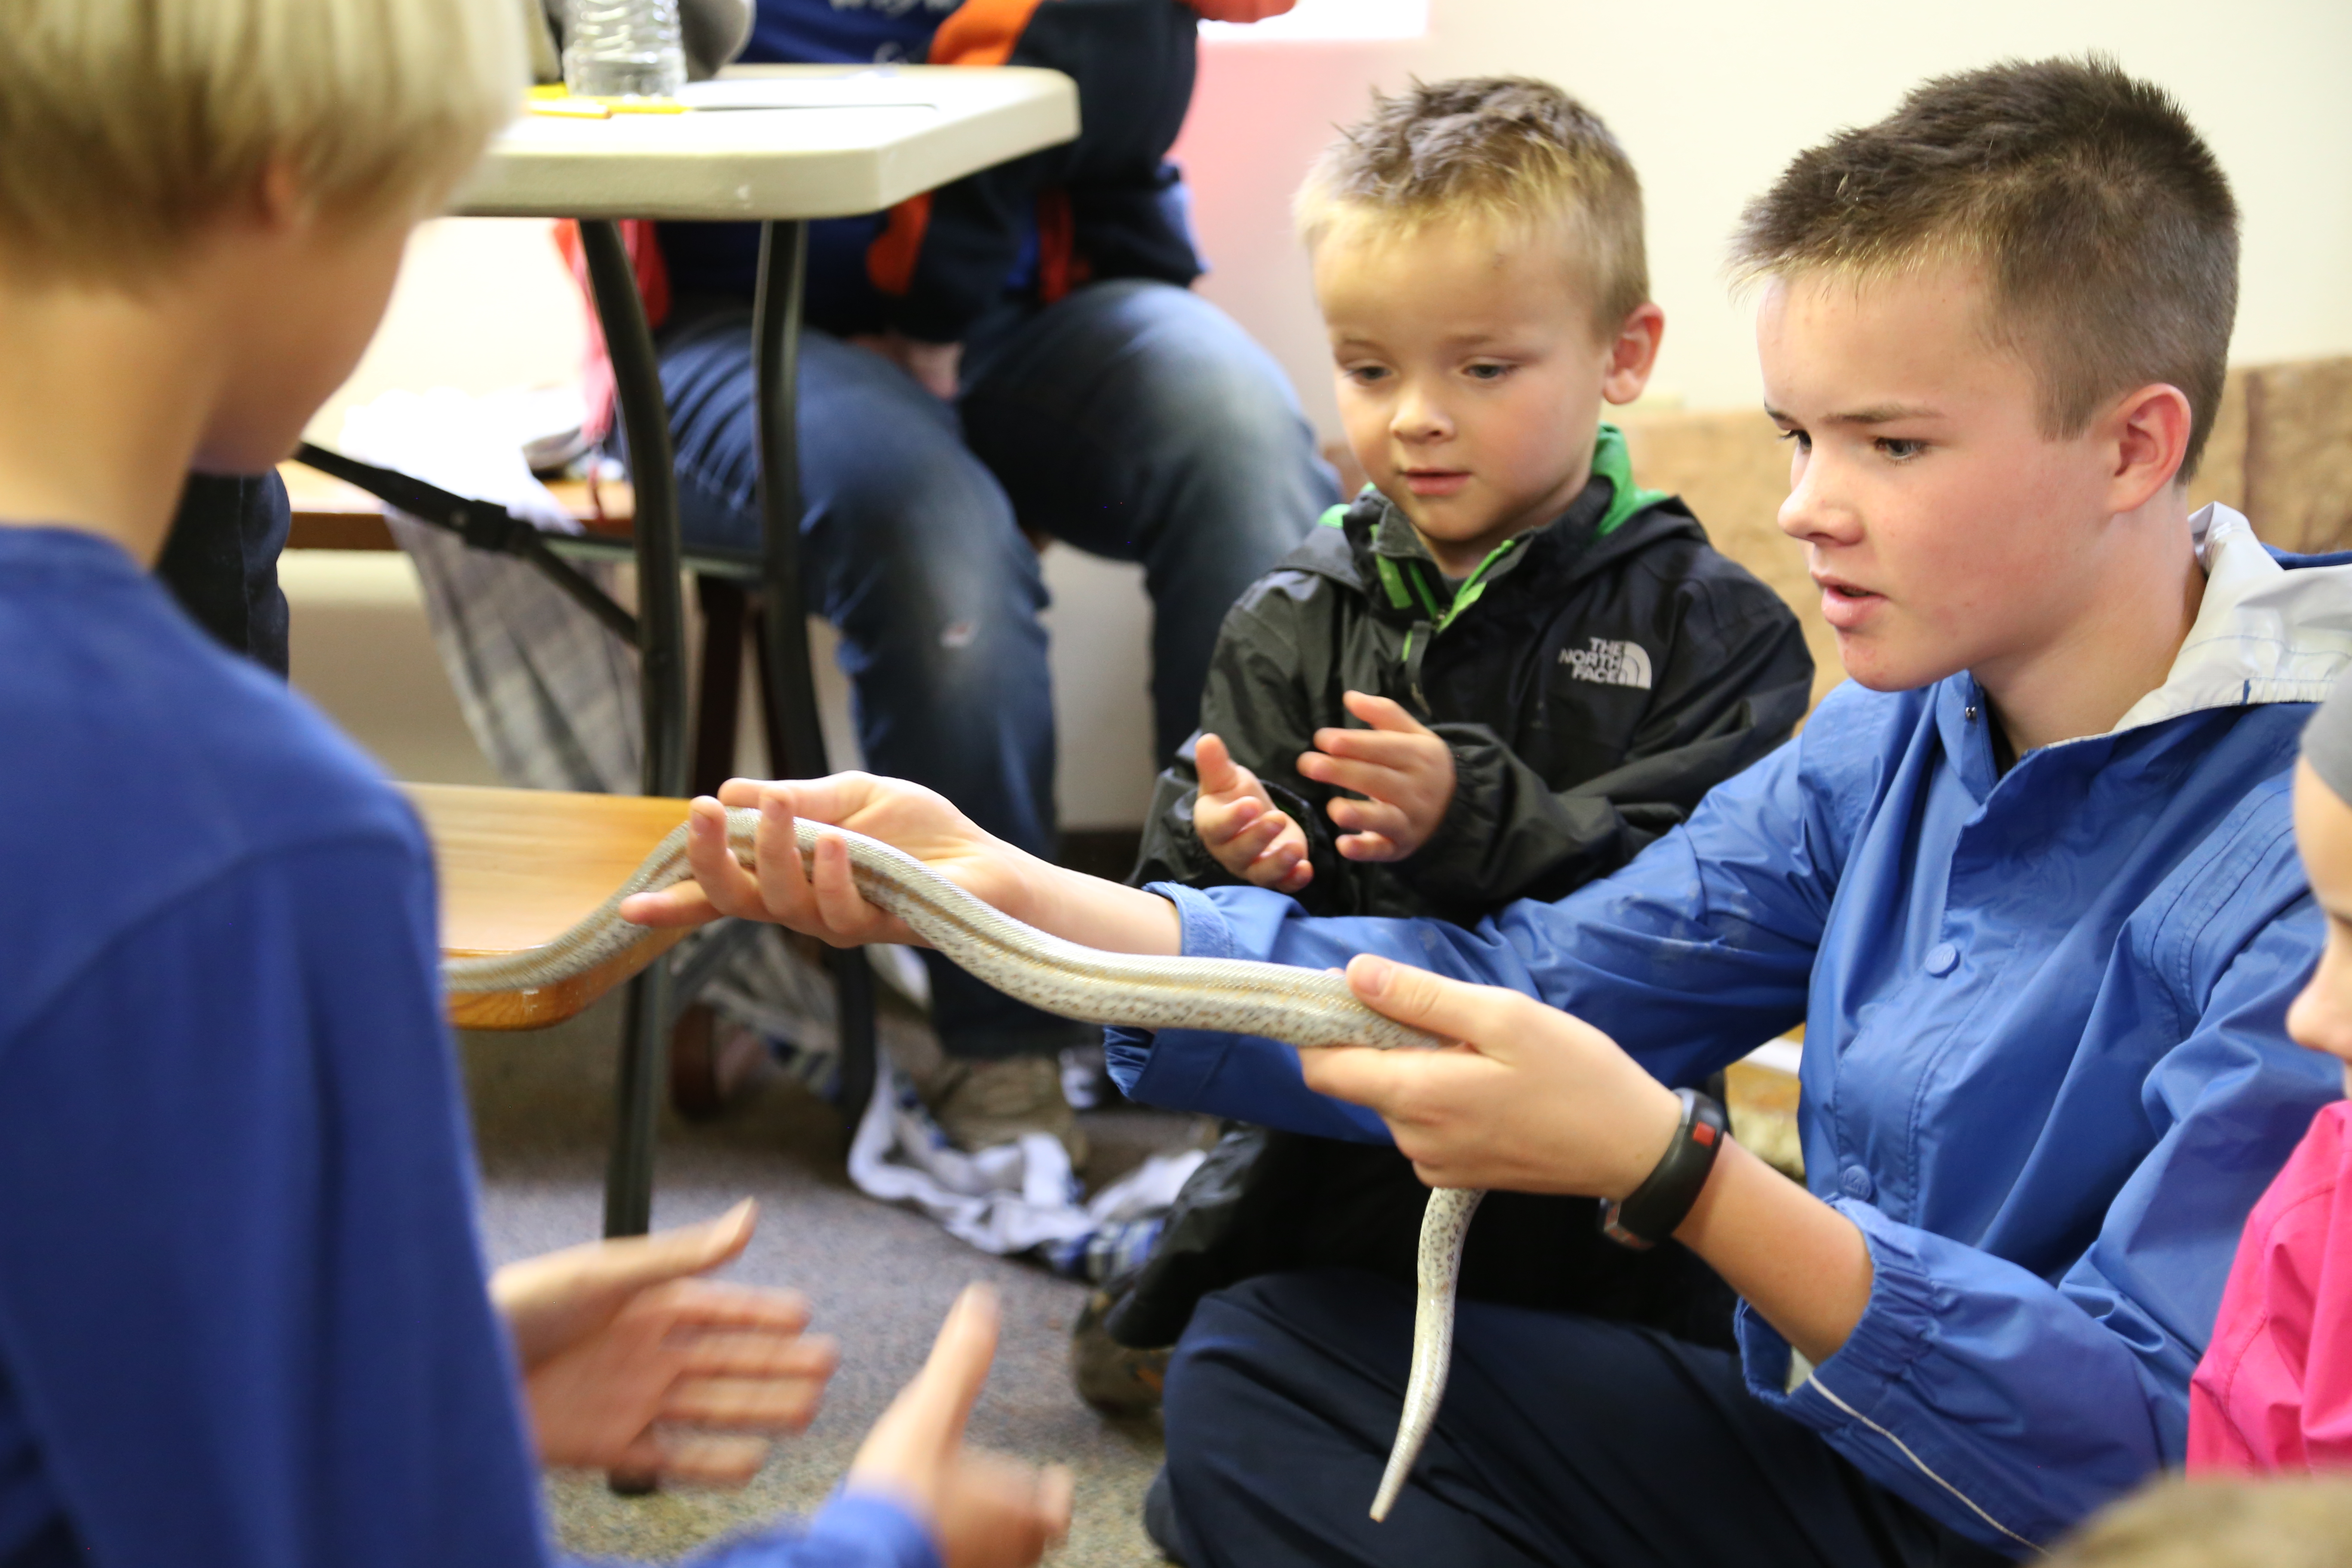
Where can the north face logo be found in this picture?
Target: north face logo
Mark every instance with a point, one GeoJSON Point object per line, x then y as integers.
{"type": "Point", "coordinates": [1609, 663]}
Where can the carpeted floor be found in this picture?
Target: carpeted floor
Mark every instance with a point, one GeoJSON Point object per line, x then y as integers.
{"type": "Point", "coordinates": [881, 1279]}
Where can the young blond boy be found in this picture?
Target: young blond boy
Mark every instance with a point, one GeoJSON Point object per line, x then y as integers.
{"type": "Point", "coordinates": [2027, 880]}
{"type": "Point", "coordinates": [1499, 674]}
{"type": "Point", "coordinates": [243, 1314]}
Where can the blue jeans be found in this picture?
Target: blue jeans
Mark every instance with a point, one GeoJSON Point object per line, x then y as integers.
{"type": "Point", "coordinates": [1132, 420]}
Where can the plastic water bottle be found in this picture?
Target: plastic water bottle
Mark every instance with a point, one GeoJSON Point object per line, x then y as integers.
{"type": "Point", "coordinates": [623, 49]}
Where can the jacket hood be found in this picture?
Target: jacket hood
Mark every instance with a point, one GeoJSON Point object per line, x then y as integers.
{"type": "Point", "coordinates": [2273, 627]}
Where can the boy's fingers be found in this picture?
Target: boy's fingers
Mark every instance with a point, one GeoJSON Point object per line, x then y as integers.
{"type": "Point", "coordinates": [811, 1357]}
{"type": "Point", "coordinates": [1485, 1017]}
{"type": "Point", "coordinates": [835, 798]}
{"type": "Point", "coordinates": [942, 1394]}
{"type": "Point", "coordinates": [1057, 1492]}
{"type": "Point", "coordinates": [733, 890]}
{"type": "Point", "coordinates": [678, 1253]}
{"type": "Point", "coordinates": [1272, 870]}
{"type": "Point", "coordinates": [1227, 822]}
{"type": "Point", "coordinates": [1257, 839]}
{"type": "Point", "coordinates": [745, 1403]}
{"type": "Point", "coordinates": [780, 880]}
{"type": "Point", "coordinates": [709, 1305]}
{"type": "Point", "coordinates": [1357, 1074]}
{"type": "Point", "coordinates": [719, 885]}
{"type": "Point", "coordinates": [1214, 765]}
{"type": "Point", "coordinates": [774, 1316]}
{"type": "Point", "coordinates": [1375, 779]}
{"type": "Point", "coordinates": [1381, 747]}
{"type": "Point", "coordinates": [1372, 815]}
{"type": "Point", "coordinates": [1370, 848]}
{"type": "Point", "coordinates": [1383, 713]}
{"type": "Point", "coordinates": [710, 1461]}
{"type": "Point", "coordinates": [684, 905]}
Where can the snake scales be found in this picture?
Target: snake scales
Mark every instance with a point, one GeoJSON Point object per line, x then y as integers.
{"type": "Point", "coordinates": [1305, 1007]}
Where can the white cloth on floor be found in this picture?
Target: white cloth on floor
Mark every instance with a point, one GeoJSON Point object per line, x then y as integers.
{"type": "Point", "coordinates": [1008, 1199]}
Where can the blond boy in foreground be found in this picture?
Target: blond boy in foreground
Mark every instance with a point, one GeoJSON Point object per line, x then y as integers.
{"type": "Point", "coordinates": [243, 1321]}
{"type": "Point", "coordinates": [2028, 880]}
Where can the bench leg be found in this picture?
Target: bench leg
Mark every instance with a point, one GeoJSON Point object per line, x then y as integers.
{"type": "Point", "coordinates": [643, 1071]}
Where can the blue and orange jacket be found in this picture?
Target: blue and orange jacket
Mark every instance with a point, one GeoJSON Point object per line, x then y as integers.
{"type": "Point", "coordinates": [1107, 204]}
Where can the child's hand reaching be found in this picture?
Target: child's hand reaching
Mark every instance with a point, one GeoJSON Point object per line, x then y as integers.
{"type": "Point", "coordinates": [1241, 827]}
{"type": "Point", "coordinates": [1404, 771]}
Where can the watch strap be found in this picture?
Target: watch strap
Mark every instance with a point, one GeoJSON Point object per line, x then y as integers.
{"type": "Point", "coordinates": [1652, 1212]}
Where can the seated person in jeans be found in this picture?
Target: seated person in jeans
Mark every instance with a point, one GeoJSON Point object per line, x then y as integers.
{"type": "Point", "coordinates": [1499, 674]}
{"type": "Point", "coordinates": [1015, 352]}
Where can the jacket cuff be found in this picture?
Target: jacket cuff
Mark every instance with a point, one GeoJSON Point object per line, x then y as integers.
{"type": "Point", "coordinates": [1127, 1053]}
{"type": "Point", "coordinates": [1451, 863]}
{"type": "Point", "coordinates": [862, 1527]}
{"type": "Point", "coordinates": [853, 1529]}
{"type": "Point", "coordinates": [1898, 1323]}
{"type": "Point", "coordinates": [1206, 935]}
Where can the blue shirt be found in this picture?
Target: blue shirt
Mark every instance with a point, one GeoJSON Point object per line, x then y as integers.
{"type": "Point", "coordinates": [242, 1319]}
{"type": "Point", "coordinates": [2045, 1070]}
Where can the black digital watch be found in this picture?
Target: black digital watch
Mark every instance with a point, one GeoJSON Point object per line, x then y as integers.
{"type": "Point", "coordinates": [1651, 1212]}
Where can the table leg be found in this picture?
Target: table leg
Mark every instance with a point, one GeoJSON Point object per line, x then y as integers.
{"type": "Point", "coordinates": [795, 740]}
{"type": "Point", "coordinates": [644, 417]}
{"type": "Point", "coordinates": [661, 673]}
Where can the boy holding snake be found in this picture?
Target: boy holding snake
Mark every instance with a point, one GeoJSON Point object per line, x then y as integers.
{"type": "Point", "coordinates": [2028, 879]}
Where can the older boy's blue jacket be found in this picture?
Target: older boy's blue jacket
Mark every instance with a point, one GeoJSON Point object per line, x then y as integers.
{"type": "Point", "coordinates": [2045, 1069]}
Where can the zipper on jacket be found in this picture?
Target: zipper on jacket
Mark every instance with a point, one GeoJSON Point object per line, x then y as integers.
{"type": "Point", "coordinates": [1407, 582]}
{"type": "Point", "coordinates": [1416, 643]}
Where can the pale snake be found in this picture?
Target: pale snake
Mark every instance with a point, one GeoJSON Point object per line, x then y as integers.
{"type": "Point", "coordinates": [1305, 1007]}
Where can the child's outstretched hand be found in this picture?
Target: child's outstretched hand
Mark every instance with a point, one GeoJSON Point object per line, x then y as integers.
{"type": "Point", "coordinates": [985, 1509]}
{"type": "Point", "coordinates": [1403, 770]}
{"type": "Point", "coordinates": [1242, 827]}
{"type": "Point", "coordinates": [633, 1362]}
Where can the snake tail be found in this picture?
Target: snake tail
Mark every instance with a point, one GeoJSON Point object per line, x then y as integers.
{"type": "Point", "coordinates": [1445, 1226]}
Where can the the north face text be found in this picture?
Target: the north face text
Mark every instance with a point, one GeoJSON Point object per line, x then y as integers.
{"type": "Point", "coordinates": [1606, 663]}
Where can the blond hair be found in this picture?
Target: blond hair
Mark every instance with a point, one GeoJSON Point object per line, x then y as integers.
{"type": "Point", "coordinates": [2105, 227]}
{"type": "Point", "coordinates": [2212, 1521]}
{"type": "Point", "coordinates": [126, 126]}
{"type": "Point", "coordinates": [1504, 150]}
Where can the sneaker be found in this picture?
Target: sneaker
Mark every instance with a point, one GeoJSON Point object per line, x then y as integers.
{"type": "Point", "coordinates": [1109, 1376]}
{"type": "Point", "coordinates": [980, 1104]}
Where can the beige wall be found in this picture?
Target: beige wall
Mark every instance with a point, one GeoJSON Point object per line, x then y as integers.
{"type": "Point", "coordinates": [1711, 97]}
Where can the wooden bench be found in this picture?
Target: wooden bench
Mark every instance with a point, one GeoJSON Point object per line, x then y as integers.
{"type": "Point", "coordinates": [517, 867]}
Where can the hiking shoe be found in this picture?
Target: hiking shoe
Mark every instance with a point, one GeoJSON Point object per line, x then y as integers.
{"type": "Point", "coordinates": [980, 1104]}
{"type": "Point", "coordinates": [1109, 1376]}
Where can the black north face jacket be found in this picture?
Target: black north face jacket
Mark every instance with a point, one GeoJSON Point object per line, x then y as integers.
{"type": "Point", "coordinates": [1594, 678]}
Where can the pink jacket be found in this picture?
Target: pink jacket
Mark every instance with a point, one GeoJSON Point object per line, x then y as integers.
{"type": "Point", "coordinates": [2275, 1390]}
